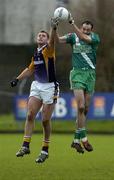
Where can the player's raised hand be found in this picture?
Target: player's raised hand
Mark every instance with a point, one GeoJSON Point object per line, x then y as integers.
{"type": "Point", "coordinates": [14, 82]}
{"type": "Point", "coordinates": [70, 19]}
{"type": "Point", "coordinates": [54, 22]}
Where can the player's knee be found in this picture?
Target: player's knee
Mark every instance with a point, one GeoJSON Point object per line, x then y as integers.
{"type": "Point", "coordinates": [30, 116]}
{"type": "Point", "coordinates": [81, 109]}
{"type": "Point", "coordinates": [45, 116]}
{"type": "Point", "coordinates": [86, 111]}
{"type": "Point", "coordinates": [45, 122]}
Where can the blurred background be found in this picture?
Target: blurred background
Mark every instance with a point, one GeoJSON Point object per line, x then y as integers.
{"type": "Point", "coordinates": [20, 21]}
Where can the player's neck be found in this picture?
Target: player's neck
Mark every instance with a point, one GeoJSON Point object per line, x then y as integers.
{"type": "Point", "coordinates": [41, 45]}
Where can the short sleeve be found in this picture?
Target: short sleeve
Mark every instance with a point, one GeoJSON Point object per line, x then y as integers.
{"type": "Point", "coordinates": [95, 38]}
{"type": "Point", "coordinates": [71, 38]}
{"type": "Point", "coordinates": [31, 65]}
{"type": "Point", "coordinates": [49, 51]}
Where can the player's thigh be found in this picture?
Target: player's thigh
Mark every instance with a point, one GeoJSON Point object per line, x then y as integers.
{"type": "Point", "coordinates": [79, 95]}
{"type": "Point", "coordinates": [47, 111]}
{"type": "Point", "coordinates": [34, 105]}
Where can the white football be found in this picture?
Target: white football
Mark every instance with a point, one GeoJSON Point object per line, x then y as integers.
{"type": "Point", "coordinates": [61, 13]}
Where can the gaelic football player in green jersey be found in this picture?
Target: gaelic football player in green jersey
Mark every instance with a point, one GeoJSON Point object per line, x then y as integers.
{"type": "Point", "coordinates": [84, 43]}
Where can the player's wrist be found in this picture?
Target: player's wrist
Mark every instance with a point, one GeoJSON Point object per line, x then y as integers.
{"type": "Point", "coordinates": [54, 23]}
{"type": "Point", "coordinates": [17, 79]}
{"type": "Point", "coordinates": [71, 22]}
{"type": "Point", "coordinates": [70, 19]}
{"type": "Point", "coordinates": [14, 82]}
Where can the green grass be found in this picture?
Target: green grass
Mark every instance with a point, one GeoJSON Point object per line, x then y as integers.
{"type": "Point", "coordinates": [8, 123]}
{"type": "Point", "coordinates": [63, 163]}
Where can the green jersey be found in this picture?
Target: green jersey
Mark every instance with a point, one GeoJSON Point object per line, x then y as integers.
{"type": "Point", "coordinates": [83, 53]}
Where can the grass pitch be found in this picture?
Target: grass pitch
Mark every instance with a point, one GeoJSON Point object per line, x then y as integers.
{"type": "Point", "coordinates": [64, 163]}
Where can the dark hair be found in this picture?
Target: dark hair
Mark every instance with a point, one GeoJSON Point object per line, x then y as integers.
{"type": "Point", "coordinates": [42, 31]}
{"type": "Point", "coordinates": [88, 23]}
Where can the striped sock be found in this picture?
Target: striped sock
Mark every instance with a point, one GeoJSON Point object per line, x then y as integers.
{"type": "Point", "coordinates": [83, 135]}
{"type": "Point", "coordinates": [77, 136]}
{"type": "Point", "coordinates": [45, 145]}
{"type": "Point", "coordinates": [26, 141]}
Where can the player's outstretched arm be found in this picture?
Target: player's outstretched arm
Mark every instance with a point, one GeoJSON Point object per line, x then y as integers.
{"type": "Point", "coordinates": [54, 24]}
{"type": "Point", "coordinates": [25, 73]}
{"type": "Point", "coordinates": [54, 36]}
{"type": "Point", "coordinates": [61, 39]}
{"type": "Point", "coordinates": [80, 34]}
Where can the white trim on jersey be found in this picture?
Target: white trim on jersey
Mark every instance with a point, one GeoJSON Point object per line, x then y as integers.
{"type": "Point", "coordinates": [38, 62]}
{"type": "Point", "coordinates": [88, 60]}
{"type": "Point", "coordinates": [39, 49]}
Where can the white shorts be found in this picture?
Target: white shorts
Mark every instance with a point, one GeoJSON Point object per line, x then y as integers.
{"type": "Point", "coordinates": [46, 92]}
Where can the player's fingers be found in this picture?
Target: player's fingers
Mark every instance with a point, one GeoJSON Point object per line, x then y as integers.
{"type": "Point", "coordinates": [57, 20]}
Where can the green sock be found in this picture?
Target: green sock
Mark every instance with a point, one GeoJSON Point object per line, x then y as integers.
{"type": "Point", "coordinates": [82, 133]}
{"type": "Point", "coordinates": [77, 136]}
